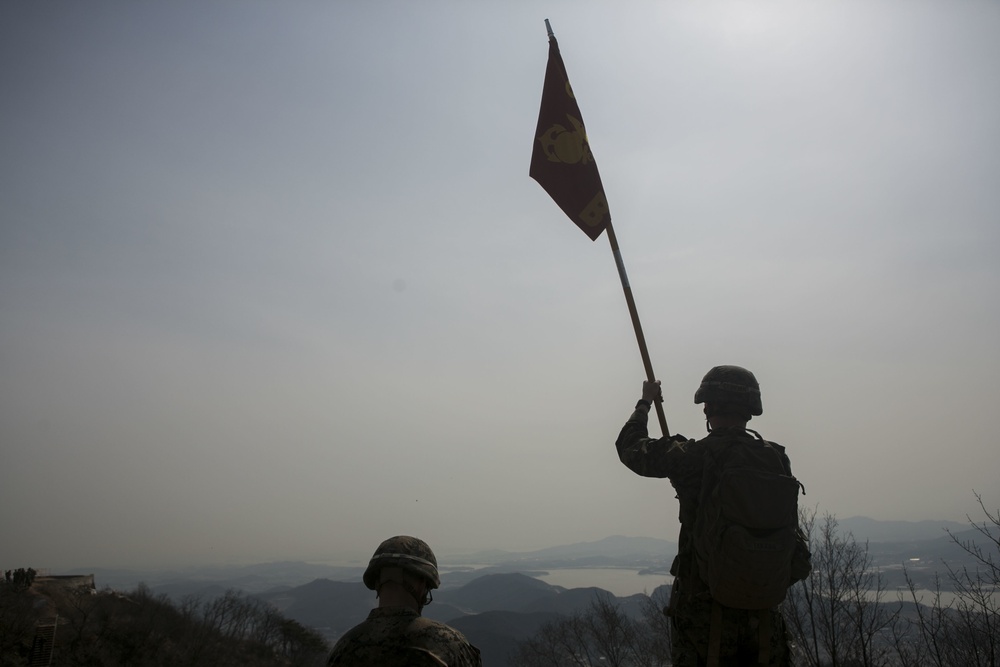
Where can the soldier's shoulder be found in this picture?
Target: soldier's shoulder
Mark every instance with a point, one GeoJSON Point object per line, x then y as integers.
{"type": "Point", "coordinates": [427, 627]}
{"type": "Point", "coordinates": [445, 641]}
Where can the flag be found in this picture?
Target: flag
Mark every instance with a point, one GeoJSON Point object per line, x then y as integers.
{"type": "Point", "coordinates": [561, 160]}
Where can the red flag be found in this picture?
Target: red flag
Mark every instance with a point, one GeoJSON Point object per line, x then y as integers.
{"type": "Point", "coordinates": [561, 160]}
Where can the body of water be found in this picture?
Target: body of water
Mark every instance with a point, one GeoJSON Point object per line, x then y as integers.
{"type": "Point", "coordinates": [620, 581]}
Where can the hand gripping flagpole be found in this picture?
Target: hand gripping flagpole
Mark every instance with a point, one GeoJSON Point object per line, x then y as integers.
{"type": "Point", "coordinates": [562, 163]}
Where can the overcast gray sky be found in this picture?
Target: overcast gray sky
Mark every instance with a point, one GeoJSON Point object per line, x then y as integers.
{"type": "Point", "coordinates": [275, 283]}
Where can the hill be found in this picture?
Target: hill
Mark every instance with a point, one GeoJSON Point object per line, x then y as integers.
{"type": "Point", "coordinates": [66, 621]}
{"type": "Point", "coordinates": [613, 551]}
{"type": "Point", "coordinates": [496, 633]}
{"type": "Point", "coordinates": [498, 592]}
{"type": "Point", "coordinates": [494, 611]}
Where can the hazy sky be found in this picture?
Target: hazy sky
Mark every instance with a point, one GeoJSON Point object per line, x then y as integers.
{"type": "Point", "coordinates": [275, 283]}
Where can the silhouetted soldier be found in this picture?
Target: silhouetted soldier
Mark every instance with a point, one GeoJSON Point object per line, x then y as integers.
{"type": "Point", "coordinates": [739, 546]}
{"type": "Point", "coordinates": [402, 572]}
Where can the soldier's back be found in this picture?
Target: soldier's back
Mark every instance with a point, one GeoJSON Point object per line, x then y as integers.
{"type": "Point", "coordinates": [398, 637]}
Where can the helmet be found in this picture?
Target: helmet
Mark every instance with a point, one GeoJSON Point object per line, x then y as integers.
{"type": "Point", "coordinates": [408, 553]}
{"type": "Point", "coordinates": [730, 384]}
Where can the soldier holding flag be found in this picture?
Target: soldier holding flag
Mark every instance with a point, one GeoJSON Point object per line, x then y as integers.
{"type": "Point", "coordinates": [739, 546]}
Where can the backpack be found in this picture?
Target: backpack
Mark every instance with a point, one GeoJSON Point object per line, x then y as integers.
{"type": "Point", "coordinates": [746, 525]}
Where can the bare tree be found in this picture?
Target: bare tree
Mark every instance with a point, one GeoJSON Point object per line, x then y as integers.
{"type": "Point", "coordinates": [613, 634]}
{"type": "Point", "coordinates": [603, 634]}
{"type": "Point", "coordinates": [918, 641]}
{"type": "Point", "coordinates": [253, 622]}
{"type": "Point", "coordinates": [654, 641]}
{"type": "Point", "coordinates": [966, 631]}
{"type": "Point", "coordinates": [838, 615]}
{"type": "Point", "coordinates": [977, 590]}
{"type": "Point", "coordinates": [18, 617]}
{"type": "Point", "coordinates": [800, 608]}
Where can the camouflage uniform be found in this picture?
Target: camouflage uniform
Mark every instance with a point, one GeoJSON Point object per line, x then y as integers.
{"type": "Point", "coordinates": [690, 626]}
{"type": "Point", "coordinates": [397, 636]}
{"type": "Point", "coordinates": [681, 461]}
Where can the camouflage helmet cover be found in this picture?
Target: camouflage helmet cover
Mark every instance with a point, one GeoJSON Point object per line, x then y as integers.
{"type": "Point", "coordinates": [730, 384]}
{"type": "Point", "coordinates": [409, 553]}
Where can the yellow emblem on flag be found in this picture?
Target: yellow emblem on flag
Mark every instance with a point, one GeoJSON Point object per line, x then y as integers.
{"type": "Point", "coordinates": [567, 146]}
{"type": "Point", "coordinates": [594, 213]}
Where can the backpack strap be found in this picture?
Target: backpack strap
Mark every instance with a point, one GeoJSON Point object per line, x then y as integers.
{"type": "Point", "coordinates": [764, 637]}
{"type": "Point", "coordinates": [764, 630]}
{"type": "Point", "coordinates": [715, 636]}
{"type": "Point", "coordinates": [780, 451]}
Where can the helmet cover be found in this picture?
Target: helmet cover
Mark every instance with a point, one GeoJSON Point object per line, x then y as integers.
{"type": "Point", "coordinates": [409, 553]}
{"type": "Point", "coordinates": [730, 384]}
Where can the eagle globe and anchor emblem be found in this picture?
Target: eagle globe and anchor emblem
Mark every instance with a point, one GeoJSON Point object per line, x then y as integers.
{"type": "Point", "coordinates": [560, 144]}
{"type": "Point", "coordinates": [567, 144]}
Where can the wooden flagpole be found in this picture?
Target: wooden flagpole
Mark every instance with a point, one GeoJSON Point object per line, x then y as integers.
{"type": "Point", "coordinates": [635, 324]}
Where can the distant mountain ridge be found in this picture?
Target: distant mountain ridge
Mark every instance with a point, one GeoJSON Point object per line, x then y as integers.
{"type": "Point", "coordinates": [615, 547]}
{"type": "Point", "coordinates": [614, 551]}
{"type": "Point", "coordinates": [872, 530]}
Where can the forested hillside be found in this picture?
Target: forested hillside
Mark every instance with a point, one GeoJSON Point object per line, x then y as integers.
{"type": "Point", "coordinates": [54, 621]}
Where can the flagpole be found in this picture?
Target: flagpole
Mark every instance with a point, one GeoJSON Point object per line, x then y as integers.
{"type": "Point", "coordinates": [635, 323]}
{"type": "Point", "coordinates": [572, 180]}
